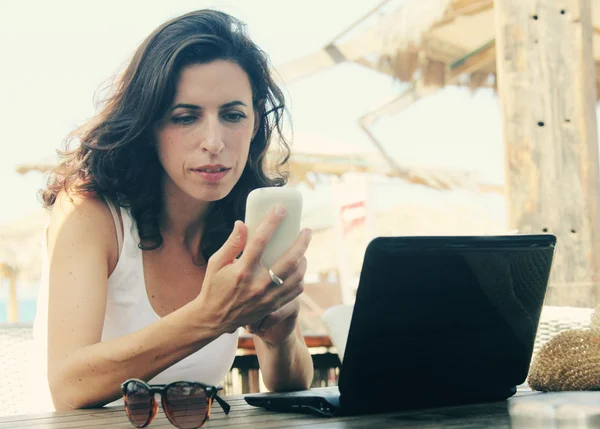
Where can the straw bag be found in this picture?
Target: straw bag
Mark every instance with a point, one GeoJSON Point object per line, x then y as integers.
{"type": "Point", "coordinates": [569, 361]}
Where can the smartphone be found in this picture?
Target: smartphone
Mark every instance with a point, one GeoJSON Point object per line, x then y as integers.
{"type": "Point", "coordinates": [258, 204]}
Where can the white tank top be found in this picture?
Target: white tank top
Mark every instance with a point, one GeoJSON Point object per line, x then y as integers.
{"type": "Point", "coordinates": [128, 309]}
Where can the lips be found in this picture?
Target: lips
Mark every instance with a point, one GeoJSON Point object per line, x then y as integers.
{"type": "Point", "coordinates": [210, 170]}
{"type": "Point", "coordinates": [211, 173]}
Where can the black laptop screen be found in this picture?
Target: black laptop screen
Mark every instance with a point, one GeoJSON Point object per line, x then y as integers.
{"type": "Point", "coordinates": [441, 317]}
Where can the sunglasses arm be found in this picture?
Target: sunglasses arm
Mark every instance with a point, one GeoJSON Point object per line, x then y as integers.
{"type": "Point", "coordinates": [226, 407]}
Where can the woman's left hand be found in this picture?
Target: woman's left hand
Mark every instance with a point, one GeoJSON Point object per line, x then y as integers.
{"type": "Point", "coordinates": [278, 326]}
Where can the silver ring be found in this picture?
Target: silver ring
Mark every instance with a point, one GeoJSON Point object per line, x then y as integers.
{"type": "Point", "coordinates": [277, 280]}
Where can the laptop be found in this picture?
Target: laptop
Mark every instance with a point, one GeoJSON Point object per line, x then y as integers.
{"type": "Point", "coordinates": [437, 321]}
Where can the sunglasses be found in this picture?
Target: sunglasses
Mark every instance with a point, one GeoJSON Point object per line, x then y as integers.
{"type": "Point", "coordinates": [186, 404]}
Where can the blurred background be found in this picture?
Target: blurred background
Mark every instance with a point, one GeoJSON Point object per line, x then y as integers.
{"type": "Point", "coordinates": [398, 129]}
{"type": "Point", "coordinates": [446, 145]}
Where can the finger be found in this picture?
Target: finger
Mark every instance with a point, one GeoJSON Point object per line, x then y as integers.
{"type": "Point", "coordinates": [291, 259]}
{"type": "Point", "coordinates": [253, 328]}
{"type": "Point", "coordinates": [289, 296]}
{"type": "Point", "coordinates": [280, 308]}
{"type": "Point", "coordinates": [261, 236]}
{"type": "Point", "coordinates": [289, 281]}
{"type": "Point", "coordinates": [231, 248]}
{"type": "Point", "coordinates": [291, 309]}
{"type": "Point", "coordinates": [277, 295]}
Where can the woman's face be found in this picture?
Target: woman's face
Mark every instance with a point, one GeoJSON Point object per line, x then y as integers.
{"type": "Point", "coordinates": [204, 139]}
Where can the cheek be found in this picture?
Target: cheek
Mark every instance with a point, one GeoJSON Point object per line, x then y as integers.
{"type": "Point", "coordinates": [243, 157]}
{"type": "Point", "coordinates": [242, 145]}
{"type": "Point", "coordinates": [167, 148]}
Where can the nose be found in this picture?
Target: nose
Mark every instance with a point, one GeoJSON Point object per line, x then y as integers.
{"type": "Point", "coordinates": [212, 139]}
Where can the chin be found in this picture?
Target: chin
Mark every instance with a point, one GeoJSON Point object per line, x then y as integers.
{"type": "Point", "coordinates": [211, 195]}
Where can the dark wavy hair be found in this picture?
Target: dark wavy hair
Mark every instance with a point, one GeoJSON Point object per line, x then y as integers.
{"type": "Point", "coordinates": [117, 156]}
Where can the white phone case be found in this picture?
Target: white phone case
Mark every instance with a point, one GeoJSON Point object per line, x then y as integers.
{"type": "Point", "coordinates": [258, 204]}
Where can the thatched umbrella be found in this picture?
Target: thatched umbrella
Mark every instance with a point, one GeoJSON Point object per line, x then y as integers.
{"type": "Point", "coordinates": [433, 42]}
{"type": "Point", "coordinates": [428, 43]}
{"type": "Point", "coordinates": [21, 245]}
{"type": "Point", "coordinates": [20, 255]}
{"type": "Point", "coordinates": [548, 62]}
{"type": "Point", "coordinates": [313, 154]}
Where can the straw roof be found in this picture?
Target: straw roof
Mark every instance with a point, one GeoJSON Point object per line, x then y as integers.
{"type": "Point", "coordinates": [301, 166]}
{"type": "Point", "coordinates": [439, 42]}
{"type": "Point", "coordinates": [412, 42]}
{"type": "Point", "coordinates": [313, 154]}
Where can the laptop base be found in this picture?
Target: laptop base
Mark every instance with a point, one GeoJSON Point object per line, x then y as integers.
{"type": "Point", "coordinates": [320, 402]}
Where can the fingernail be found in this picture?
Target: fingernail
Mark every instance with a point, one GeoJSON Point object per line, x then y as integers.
{"type": "Point", "coordinates": [236, 231]}
{"type": "Point", "coordinates": [279, 210]}
{"type": "Point", "coordinates": [308, 233]}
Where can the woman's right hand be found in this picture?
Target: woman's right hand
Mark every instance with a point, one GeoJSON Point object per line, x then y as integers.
{"type": "Point", "coordinates": [239, 292]}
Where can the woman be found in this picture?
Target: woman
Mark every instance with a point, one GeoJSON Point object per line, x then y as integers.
{"type": "Point", "coordinates": [144, 275]}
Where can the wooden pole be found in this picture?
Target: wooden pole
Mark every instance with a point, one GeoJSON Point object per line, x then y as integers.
{"type": "Point", "coordinates": [546, 83]}
{"type": "Point", "coordinates": [12, 315]}
{"type": "Point", "coordinates": [3, 275]}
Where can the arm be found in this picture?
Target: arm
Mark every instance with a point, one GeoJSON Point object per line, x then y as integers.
{"type": "Point", "coordinates": [284, 359]}
{"type": "Point", "coordinates": [285, 366]}
{"type": "Point", "coordinates": [82, 371]}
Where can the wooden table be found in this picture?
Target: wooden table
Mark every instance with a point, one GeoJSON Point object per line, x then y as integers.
{"type": "Point", "coordinates": [489, 416]}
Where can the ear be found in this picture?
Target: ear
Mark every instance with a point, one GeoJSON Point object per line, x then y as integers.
{"type": "Point", "coordinates": [259, 110]}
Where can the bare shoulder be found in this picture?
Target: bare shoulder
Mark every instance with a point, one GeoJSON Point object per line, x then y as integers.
{"type": "Point", "coordinates": [79, 259]}
{"type": "Point", "coordinates": [76, 219]}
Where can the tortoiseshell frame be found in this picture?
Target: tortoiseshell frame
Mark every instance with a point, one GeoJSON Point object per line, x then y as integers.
{"type": "Point", "coordinates": [153, 389]}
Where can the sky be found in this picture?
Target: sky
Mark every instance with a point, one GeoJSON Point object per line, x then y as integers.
{"type": "Point", "coordinates": [56, 56]}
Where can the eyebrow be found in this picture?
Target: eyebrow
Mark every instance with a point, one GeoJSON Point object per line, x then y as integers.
{"type": "Point", "coordinates": [196, 107]}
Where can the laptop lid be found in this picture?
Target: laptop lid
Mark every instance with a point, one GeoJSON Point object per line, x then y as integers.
{"type": "Point", "coordinates": [444, 320]}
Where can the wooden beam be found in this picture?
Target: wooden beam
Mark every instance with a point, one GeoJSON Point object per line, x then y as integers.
{"type": "Point", "coordinates": [360, 45]}
{"type": "Point", "coordinates": [334, 52]}
{"type": "Point", "coordinates": [442, 50]}
{"type": "Point", "coordinates": [547, 88]}
{"type": "Point", "coordinates": [476, 60]}
{"type": "Point", "coordinates": [357, 22]}
{"type": "Point", "coordinates": [464, 7]}
{"type": "Point", "coordinates": [305, 66]}
{"type": "Point", "coordinates": [383, 67]}
{"type": "Point", "coordinates": [364, 124]}
{"type": "Point", "coordinates": [471, 7]}
{"type": "Point", "coordinates": [436, 181]}
{"type": "Point", "coordinates": [398, 103]}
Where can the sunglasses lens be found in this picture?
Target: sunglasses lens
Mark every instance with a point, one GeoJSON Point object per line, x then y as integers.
{"type": "Point", "coordinates": [186, 405]}
{"type": "Point", "coordinates": [138, 404]}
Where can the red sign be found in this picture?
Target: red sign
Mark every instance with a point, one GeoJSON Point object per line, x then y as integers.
{"type": "Point", "coordinates": [352, 215]}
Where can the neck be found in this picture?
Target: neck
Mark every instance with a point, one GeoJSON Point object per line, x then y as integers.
{"type": "Point", "coordinates": [182, 217]}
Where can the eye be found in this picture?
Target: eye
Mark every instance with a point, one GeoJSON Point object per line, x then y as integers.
{"type": "Point", "coordinates": [183, 120]}
{"type": "Point", "coordinates": [234, 116]}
